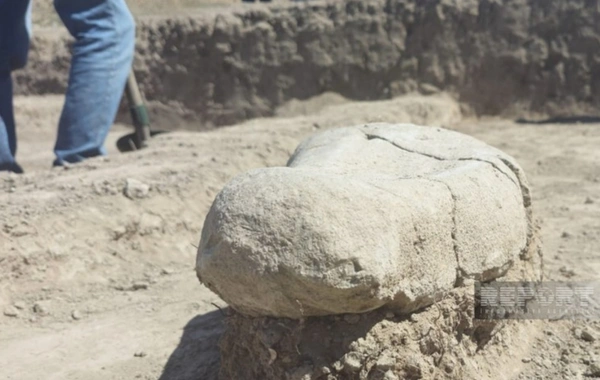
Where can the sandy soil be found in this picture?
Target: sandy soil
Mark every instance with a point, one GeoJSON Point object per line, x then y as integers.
{"type": "Point", "coordinates": [96, 275]}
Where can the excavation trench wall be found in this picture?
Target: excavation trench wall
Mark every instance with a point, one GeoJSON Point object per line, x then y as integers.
{"type": "Point", "coordinates": [507, 57]}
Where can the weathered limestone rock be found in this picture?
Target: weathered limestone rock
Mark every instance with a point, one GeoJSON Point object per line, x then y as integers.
{"type": "Point", "coordinates": [363, 217]}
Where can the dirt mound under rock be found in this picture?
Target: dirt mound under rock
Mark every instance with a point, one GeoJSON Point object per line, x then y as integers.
{"type": "Point", "coordinates": [443, 341]}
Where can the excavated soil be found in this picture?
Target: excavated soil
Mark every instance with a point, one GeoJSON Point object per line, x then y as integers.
{"type": "Point", "coordinates": [220, 65]}
{"type": "Point", "coordinates": [96, 261]}
{"type": "Point", "coordinates": [441, 342]}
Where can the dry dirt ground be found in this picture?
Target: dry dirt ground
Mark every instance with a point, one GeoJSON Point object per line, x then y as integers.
{"type": "Point", "coordinates": [96, 274]}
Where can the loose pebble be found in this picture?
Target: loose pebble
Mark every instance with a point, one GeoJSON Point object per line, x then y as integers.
{"type": "Point", "coordinates": [140, 286]}
{"type": "Point", "coordinates": [135, 189]}
{"type": "Point", "coordinates": [40, 308]}
{"type": "Point", "coordinates": [11, 312]}
{"type": "Point", "coordinates": [588, 336]}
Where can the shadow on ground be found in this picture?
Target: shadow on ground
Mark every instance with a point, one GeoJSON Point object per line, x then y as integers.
{"type": "Point", "coordinates": [197, 355]}
{"type": "Point", "coordinates": [562, 120]}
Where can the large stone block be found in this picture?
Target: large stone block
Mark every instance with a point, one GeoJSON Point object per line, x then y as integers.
{"type": "Point", "coordinates": [363, 217]}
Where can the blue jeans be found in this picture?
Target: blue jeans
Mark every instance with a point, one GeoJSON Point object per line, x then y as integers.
{"type": "Point", "coordinates": [104, 32]}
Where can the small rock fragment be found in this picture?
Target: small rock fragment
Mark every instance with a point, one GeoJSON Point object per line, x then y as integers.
{"type": "Point", "coordinates": [41, 308]}
{"type": "Point", "coordinates": [11, 312]}
{"type": "Point", "coordinates": [389, 375]}
{"type": "Point", "coordinates": [139, 286]}
{"type": "Point", "coordinates": [385, 362]}
{"type": "Point", "coordinates": [76, 315]}
{"type": "Point", "coordinates": [20, 305]}
{"type": "Point", "coordinates": [140, 354]}
{"type": "Point", "coordinates": [272, 356]}
{"type": "Point", "coordinates": [526, 360]}
{"type": "Point", "coordinates": [588, 336]}
{"type": "Point", "coordinates": [352, 362]}
{"type": "Point", "coordinates": [338, 365]}
{"type": "Point", "coordinates": [566, 235]}
{"type": "Point", "coordinates": [588, 201]}
{"type": "Point", "coordinates": [135, 189]}
{"type": "Point", "coordinates": [594, 370]}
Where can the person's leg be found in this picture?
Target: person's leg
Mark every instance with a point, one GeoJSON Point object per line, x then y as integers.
{"type": "Point", "coordinates": [14, 45]}
{"type": "Point", "coordinates": [104, 32]}
{"type": "Point", "coordinates": [8, 141]}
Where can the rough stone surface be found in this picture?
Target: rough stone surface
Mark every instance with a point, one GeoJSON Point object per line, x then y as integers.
{"type": "Point", "coordinates": [363, 217]}
{"type": "Point", "coordinates": [221, 66]}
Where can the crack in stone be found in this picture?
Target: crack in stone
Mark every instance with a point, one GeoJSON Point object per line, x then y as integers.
{"type": "Point", "coordinates": [524, 189]}
{"type": "Point", "coordinates": [460, 273]}
{"type": "Point", "coordinates": [525, 195]}
{"type": "Point", "coordinates": [375, 137]}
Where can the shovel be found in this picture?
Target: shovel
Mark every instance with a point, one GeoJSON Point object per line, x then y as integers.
{"type": "Point", "coordinates": [139, 115]}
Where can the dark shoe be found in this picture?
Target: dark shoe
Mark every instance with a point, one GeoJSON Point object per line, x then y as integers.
{"type": "Point", "coordinates": [13, 167]}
